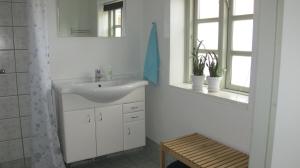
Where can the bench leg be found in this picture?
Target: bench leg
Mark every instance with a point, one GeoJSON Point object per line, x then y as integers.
{"type": "Point", "coordinates": [162, 158]}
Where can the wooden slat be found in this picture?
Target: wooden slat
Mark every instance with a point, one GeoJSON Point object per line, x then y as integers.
{"type": "Point", "coordinates": [197, 151]}
{"type": "Point", "coordinates": [174, 140]}
{"type": "Point", "coordinates": [198, 146]}
{"type": "Point", "coordinates": [193, 146]}
{"type": "Point", "coordinates": [219, 161]}
{"type": "Point", "coordinates": [217, 154]}
{"type": "Point", "coordinates": [204, 153]}
{"type": "Point", "coordinates": [179, 140]}
{"type": "Point", "coordinates": [185, 144]}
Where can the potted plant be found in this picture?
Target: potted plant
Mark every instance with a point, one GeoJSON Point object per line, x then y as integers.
{"type": "Point", "coordinates": [215, 76]}
{"type": "Point", "coordinates": [198, 68]}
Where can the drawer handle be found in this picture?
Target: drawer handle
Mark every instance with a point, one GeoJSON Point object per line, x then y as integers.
{"type": "Point", "coordinates": [133, 117]}
{"type": "Point", "coordinates": [129, 131]}
{"type": "Point", "coordinates": [134, 108]}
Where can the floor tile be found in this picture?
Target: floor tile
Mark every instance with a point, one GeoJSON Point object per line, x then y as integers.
{"type": "Point", "coordinates": [145, 157]}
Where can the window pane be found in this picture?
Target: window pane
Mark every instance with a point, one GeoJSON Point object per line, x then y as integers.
{"type": "Point", "coordinates": [243, 7]}
{"type": "Point", "coordinates": [208, 9]}
{"type": "Point", "coordinates": [209, 32]}
{"type": "Point", "coordinates": [242, 35]}
{"type": "Point", "coordinates": [118, 32]}
{"type": "Point", "coordinates": [241, 69]}
{"type": "Point", "coordinates": [118, 16]}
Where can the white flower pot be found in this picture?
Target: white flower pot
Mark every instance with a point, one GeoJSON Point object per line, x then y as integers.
{"type": "Point", "coordinates": [197, 82]}
{"type": "Point", "coordinates": [214, 83]}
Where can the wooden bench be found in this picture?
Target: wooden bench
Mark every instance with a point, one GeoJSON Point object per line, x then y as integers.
{"type": "Point", "coordinates": [197, 151]}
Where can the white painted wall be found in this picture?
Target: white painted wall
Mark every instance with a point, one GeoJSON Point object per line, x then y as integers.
{"type": "Point", "coordinates": [173, 112]}
{"type": "Point", "coordinates": [264, 75]}
{"type": "Point", "coordinates": [78, 57]}
{"type": "Point", "coordinates": [286, 146]}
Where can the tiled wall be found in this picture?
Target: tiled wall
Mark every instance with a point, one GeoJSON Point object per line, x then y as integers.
{"type": "Point", "coordinates": [14, 87]}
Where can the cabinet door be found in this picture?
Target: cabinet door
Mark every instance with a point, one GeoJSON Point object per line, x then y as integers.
{"type": "Point", "coordinates": [134, 134]}
{"type": "Point", "coordinates": [109, 130]}
{"type": "Point", "coordinates": [79, 128]}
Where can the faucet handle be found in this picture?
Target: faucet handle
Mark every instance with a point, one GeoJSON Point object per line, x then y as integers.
{"type": "Point", "coordinates": [98, 75]}
{"type": "Point", "coordinates": [97, 70]}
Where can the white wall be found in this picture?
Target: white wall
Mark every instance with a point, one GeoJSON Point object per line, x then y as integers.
{"type": "Point", "coordinates": [286, 146]}
{"type": "Point", "coordinates": [173, 112]}
{"type": "Point", "coordinates": [264, 78]}
{"type": "Point", "coordinates": [78, 57]}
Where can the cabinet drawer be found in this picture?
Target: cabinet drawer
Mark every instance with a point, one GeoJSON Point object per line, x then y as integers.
{"type": "Point", "coordinates": [134, 107]}
{"type": "Point", "coordinates": [130, 117]}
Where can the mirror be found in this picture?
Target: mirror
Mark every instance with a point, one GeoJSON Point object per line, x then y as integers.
{"type": "Point", "coordinates": [91, 18]}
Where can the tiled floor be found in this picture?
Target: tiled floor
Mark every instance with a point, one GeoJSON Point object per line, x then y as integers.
{"type": "Point", "coordinates": [147, 157]}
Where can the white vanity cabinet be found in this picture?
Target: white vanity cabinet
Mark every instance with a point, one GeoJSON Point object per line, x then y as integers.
{"type": "Point", "coordinates": [79, 137]}
{"type": "Point", "coordinates": [109, 129]}
{"type": "Point", "coordinates": [134, 134]}
{"type": "Point", "coordinates": [88, 129]}
{"type": "Point", "coordinates": [134, 125]}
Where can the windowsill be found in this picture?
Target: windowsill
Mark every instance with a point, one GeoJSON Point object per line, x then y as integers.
{"type": "Point", "coordinates": [223, 94]}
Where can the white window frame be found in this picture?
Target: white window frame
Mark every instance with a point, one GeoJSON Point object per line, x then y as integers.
{"type": "Point", "coordinates": [230, 52]}
{"type": "Point", "coordinates": [112, 22]}
{"type": "Point", "coordinates": [224, 51]}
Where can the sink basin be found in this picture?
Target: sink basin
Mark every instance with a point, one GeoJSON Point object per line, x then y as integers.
{"type": "Point", "coordinates": [107, 91]}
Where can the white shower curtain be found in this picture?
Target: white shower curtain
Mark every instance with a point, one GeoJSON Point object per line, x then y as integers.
{"type": "Point", "coordinates": [46, 151]}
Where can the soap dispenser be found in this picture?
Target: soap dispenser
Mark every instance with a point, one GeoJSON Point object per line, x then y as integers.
{"type": "Point", "coordinates": [107, 72]}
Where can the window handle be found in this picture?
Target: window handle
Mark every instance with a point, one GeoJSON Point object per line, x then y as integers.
{"type": "Point", "coordinates": [227, 4]}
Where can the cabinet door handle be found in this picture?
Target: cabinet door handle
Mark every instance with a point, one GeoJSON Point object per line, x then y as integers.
{"type": "Point", "coordinates": [89, 118]}
{"type": "Point", "coordinates": [134, 107]}
{"type": "Point", "coordinates": [100, 115]}
{"type": "Point", "coordinates": [129, 131]}
{"type": "Point", "coordinates": [133, 117]}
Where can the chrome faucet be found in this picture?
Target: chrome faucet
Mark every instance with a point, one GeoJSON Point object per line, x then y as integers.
{"type": "Point", "coordinates": [98, 75]}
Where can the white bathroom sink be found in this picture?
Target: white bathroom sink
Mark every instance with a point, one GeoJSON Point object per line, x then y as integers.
{"type": "Point", "coordinates": [107, 91]}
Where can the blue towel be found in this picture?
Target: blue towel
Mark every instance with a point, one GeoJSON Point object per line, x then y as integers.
{"type": "Point", "coordinates": [151, 65]}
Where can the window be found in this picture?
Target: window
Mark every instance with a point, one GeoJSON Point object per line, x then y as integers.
{"type": "Point", "coordinates": [226, 27]}
{"type": "Point", "coordinates": [115, 11]}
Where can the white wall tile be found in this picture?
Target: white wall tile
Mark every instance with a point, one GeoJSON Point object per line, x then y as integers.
{"type": "Point", "coordinates": [22, 60]}
{"type": "Point", "coordinates": [6, 38]}
{"type": "Point", "coordinates": [9, 107]}
{"type": "Point", "coordinates": [21, 37]}
{"type": "Point", "coordinates": [11, 150]}
{"type": "Point", "coordinates": [5, 14]}
{"type": "Point", "coordinates": [25, 107]}
{"type": "Point", "coordinates": [8, 85]}
{"type": "Point", "coordinates": [26, 126]}
{"type": "Point", "coordinates": [19, 14]}
{"type": "Point", "coordinates": [10, 129]}
{"type": "Point", "coordinates": [27, 147]}
{"type": "Point", "coordinates": [23, 83]}
{"type": "Point", "coordinates": [7, 61]}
